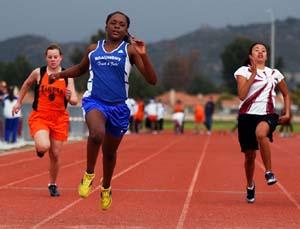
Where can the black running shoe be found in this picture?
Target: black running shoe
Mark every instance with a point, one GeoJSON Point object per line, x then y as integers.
{"type": "Point", "coordinates": [53, 190]}
{"type": "Point", "coordinates": [270, 178]}
{"type": "Point", "coordinates": [251, 194]}
{"type": "Point", "coordinates": [40, 154]}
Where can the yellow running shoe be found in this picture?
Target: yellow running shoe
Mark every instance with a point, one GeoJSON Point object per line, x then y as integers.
{"type": "Point", "coordinates": [106, 198]}
{"type": "Point", "coordinates": [85, 185]}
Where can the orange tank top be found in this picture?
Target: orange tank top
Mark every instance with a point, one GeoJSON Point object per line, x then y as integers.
{"type": "Point", "coordinates": [199, 112]}
{"type": "Point", "coordinates": [139, 115]}
{"type": "Point", "coordinates": [50, 97]}
{"type": "Point", "coordinates": [178, 108]}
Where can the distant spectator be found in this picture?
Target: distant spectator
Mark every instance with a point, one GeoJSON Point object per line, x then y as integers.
{"type": "Point", "coordinates": [178, 117]}
{"type": "Point", "coordinates": [3, 89]}
{"type": "Point", "coordinates": [151, 112]}
{"type": "Point", "coordinates": [139, 116]}
{"type": "Point", "coordinates": [131, 103]}
{"type": "Point", "coordinates": [3, 92]}
{"type": "Point", "coordinates": [160, 116]}
{"type": "Point", "coordinates": [209, 110]}
{"type": "Point", "coordinates": [11, 122]}
{"type": "Point", "coordinates": [199, 117]}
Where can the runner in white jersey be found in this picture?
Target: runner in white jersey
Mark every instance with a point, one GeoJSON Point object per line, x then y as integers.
{"type": "Point", "coordinates": [257, 119]}
{"type": "Point", "coordinates": [106, 113]}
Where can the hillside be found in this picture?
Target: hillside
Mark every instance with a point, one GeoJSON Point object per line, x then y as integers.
{"type": "Point", "coordinates": [210, 43]}
{"type": "Point", "coordinates": [33, 47]}
{"type": "Point", "coordinates": [207, 41]}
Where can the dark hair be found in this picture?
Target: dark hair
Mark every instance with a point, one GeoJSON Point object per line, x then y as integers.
{"type": "Point", "coordinates": [118, 12]}
{"type": "Point", "coordinates": [10, 92]}
{"type": "Point", "coordinates": [127, 37]}
{"type": "Point", "coordinates": [52, 47]}
{"type": "Point", "coordinates": [247, 61]}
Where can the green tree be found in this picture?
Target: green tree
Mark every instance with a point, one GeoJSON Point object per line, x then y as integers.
{"type": "Point", "coordinates": [179, 71]}
{"type": "Point", "coordinates": [201, 84]}
{"type": "Point", "coordinates": [234, 56]}
{"type": "Point", "coordinates": [279, 63]}
{"type": "Point", "coordinates": [15, 73]}
{"type": "Point", "coordinates": [139, 88]}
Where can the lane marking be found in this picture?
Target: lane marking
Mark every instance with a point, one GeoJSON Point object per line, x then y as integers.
{"type": "Point", "coordinates": [38, 175]}
{"type": "Point", "coordinates": [43, 173]}
{"type": "Point", "coordinates": [62, 210]}
{"type": "Point", "coordinates": [19, 161]}
{"type": "Point", "coordinates": [153, 190]}
{"type": "Point", "coordinates": [282, 188]}
{"type": "Point", "coordinates": [186, 205]}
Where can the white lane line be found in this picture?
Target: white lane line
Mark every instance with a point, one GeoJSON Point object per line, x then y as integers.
{"type": "Point", "coordinates": [18, 161]}
{"type": "Point", "coordinates": [43, 173]}
{"type": "Point", "coordinates": [38, 175]}
{"type": "Point", "coordinates": [186, 205]}
{"type": "Point", "coordinates": [62, 210]}
{"type": "Point", "coordinates": [152, 190]}
{"type": "Point", "coordinates": [282, 188]}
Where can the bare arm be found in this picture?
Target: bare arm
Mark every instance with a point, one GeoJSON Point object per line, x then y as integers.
{"type": "Point", "coordinates": [71, 93]}
{"type": "Point", "coordinates": [76, 70]}
{"type": "Point", "coordinates": [32, 78]}
{"type": "Point", "coordinates": [287, 102]}
{"type": "Point", "coordinates": [243, 83]}
{"type": "Point", "coordinates": [243, 86]}
{"type": "Point", "coordinates": [139, 57]}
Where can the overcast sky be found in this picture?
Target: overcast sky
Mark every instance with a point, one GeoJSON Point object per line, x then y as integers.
{"type": "Point", "coordinates": [151, 20]}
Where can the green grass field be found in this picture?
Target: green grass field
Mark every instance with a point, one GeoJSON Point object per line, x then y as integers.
{"type": "Point", "coordinates": [219, 125]}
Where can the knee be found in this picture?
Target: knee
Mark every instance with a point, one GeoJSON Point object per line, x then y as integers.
{"type": "Point", "coordinates": [260, 136]}
{"type": "Point", "coordinates": [42, 146]}
{"type": "Point", "coordinates": [54, 157]}
{"type": "Point", "coordinates": [96, 137]}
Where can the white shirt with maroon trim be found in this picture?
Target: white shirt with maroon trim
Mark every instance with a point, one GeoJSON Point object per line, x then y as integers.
{"type": "Point", "coordinates": [261, 96]}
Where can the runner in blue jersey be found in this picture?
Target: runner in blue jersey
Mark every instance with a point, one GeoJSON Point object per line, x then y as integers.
{"type": "Point", "coordinates": [106, 113]}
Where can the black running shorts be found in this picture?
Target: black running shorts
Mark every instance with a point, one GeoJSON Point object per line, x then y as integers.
{"type": "Point", "coordinates": [247, 124]}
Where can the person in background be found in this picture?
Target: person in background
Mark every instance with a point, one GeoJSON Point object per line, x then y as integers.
{"type": "Point", "coordinates": [49, 119]}
{"type": "Point", "coordinates": [3, 93]}
{"type": "Point", "coordinates": [3, 89]}
{"type": "Point", "coordinates": [131, 103]}
{"type": "Point", "coordinates": [209, 110]}
{"type": "Point", "coordinates": [257, 119]}
{"type": "Point", "coordinates": [139, 116]}
{"type": "Point", "coordinates": [178, 117]}
{"type": "Point", "coordinates": [199, 117]}
{"type": "Point", "coordinates": [160, 115]}
{"type": "Point", "coordinates": [107, 115]}
{"type": "Point", "coordinates": [11, 122]}
{"type": "Point", "coordinates": [151, 110]}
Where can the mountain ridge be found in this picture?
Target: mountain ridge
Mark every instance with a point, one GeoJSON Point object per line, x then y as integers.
{"type": "Point", "coordinates": [208, 41]}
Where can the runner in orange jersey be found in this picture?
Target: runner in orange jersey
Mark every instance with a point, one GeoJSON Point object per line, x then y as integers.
{"type": "Point", "coordinates": [49, 120]}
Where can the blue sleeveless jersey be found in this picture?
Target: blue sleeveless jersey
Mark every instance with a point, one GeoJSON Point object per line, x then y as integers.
{"type": "Point", "coordinates": [109, 72]}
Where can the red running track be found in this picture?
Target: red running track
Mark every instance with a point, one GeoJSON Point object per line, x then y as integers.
{"type": "Point", "coordinates": [161, 181]}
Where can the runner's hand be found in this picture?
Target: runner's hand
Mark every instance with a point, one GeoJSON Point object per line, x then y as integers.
{"type": "Point", "coordinates": [252, 66]}
{"type": "Point", "coordinates": [139, 45]}
{"type": "Point", "coordinates": [16, 108]}
{"type": "Point", "coordinates": [53, 77]}
{"type": "Point", "coordinates": [284, 119]}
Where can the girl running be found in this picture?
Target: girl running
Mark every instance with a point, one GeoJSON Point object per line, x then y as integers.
{"type": "Point", "coordinates": [106, 113]}
{"type": "Point", "coordinates": [49, 120]}
{"type": "Point", "coordinates": [257, 118]}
